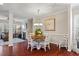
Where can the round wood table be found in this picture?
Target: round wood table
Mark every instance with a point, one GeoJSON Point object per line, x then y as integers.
{"type": "Point", "coordinates": [39, 39]}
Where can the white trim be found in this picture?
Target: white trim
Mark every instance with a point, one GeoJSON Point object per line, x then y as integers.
{"type": "Point", "coordinates": [54, 13]}
{"type": "Point", "coordinates": [70, 27]}
{"type": "Point", "coordinates": [63, 35]}
{"type": "Point", "coordinates": [77, 50]}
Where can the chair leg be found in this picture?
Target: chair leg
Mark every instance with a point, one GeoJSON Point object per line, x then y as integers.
{"type": "Point", "coordinates": [28, 47]}
{"type": "Point", "coordinates": [31, 49]}
{"type": "Point", "coordinates": [45, 48]}
{"type": "Point", "coordinates": [59, 47]}
{"type": "Point", "coordinates": [49, 46]}
{"type": "Point", "coordinates": [66, 47]}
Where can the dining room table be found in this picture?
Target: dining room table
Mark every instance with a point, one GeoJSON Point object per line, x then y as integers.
{"type": "Point", "coordinates": [38, 39]}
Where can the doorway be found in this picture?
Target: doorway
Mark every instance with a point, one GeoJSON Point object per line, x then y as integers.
{"type": "Point", "coordinates": [76, 33]}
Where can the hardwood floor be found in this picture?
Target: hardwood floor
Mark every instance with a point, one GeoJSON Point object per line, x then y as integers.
{"type": "Point", "coordinates": [20, 49]}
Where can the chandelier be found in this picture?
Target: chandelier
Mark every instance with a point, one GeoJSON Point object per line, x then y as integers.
{"type": "Point", "coordinates": [38, 20]}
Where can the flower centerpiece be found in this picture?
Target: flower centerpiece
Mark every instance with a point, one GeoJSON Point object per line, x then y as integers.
{"type": "Point", "coordinates": [38, 31]}
{"type": "Point", "coordinates": [39, 35]}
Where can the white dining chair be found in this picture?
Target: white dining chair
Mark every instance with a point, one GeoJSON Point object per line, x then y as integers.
{"type": "Point", "coordinates": [29, 40]}
{"type": "Point", "coordinates": [63, 42]}
{"type": "Point", "coordinates": [47, 40]}
{"type": "Point", "coordinates": [31, 44]}
{"type": "Point", "coordinates": [46, 43]}
{"type": "Point", "coordinates": [34, 44]}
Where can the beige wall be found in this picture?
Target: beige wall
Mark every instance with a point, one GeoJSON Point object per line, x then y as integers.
{"type": "Point", "coordinates": [61, 24]}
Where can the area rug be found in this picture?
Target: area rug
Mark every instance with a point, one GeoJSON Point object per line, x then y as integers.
{"type": "Point", "coordinates": [13, 41]}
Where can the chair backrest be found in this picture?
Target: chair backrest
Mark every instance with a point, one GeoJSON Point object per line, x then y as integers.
{"type": "Point", "coordinates": [29, 38]}
{"type": "Point", "coordinates": [47, 38]}
{"type": "Point", "coordinates": [60, 38]}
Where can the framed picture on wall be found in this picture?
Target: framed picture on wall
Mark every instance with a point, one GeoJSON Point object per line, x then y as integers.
{"type": "Point", "coordinates": [49, 23]}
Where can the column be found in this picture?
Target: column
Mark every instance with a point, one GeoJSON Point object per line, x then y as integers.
{"type": "Point", "coordinates": [22, 31]}
{"type": "Point", "coordinates": [69, 27]}
{"type": "Point", "coordinates": [2, 24]}
{"type": "Point", "coordinates": [10, 28]}
{"type": "Point", "coordinates": [26, 31]}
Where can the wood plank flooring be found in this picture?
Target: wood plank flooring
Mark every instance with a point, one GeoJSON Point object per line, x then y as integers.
{"type": "Point", "coordinates": [20, 49]}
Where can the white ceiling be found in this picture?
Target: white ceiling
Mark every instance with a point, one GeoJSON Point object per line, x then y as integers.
{"type": "Point", "coordinates": [27, 10]}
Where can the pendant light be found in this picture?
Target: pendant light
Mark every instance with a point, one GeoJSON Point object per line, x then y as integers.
{"type": "Point", "coordinates": [38, 23]}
